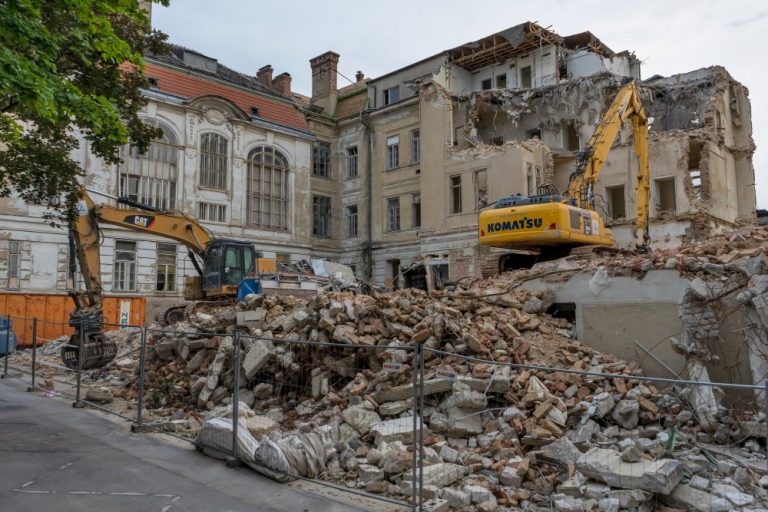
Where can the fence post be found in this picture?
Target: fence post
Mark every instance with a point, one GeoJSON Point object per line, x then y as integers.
{"type": "Point", "coordinates": [421, 425]}
{"type": "Point", "coordinates": [7, 348]}
{"type": "Point", "coordinates": [142, 370]}
{"type": "Point", "coordinates": [233, 461]}
{"type": "Point", "coordinates": [765, 417]}
{"type": "Point", "coordinates": [414, 439]}
{"type": "Point", "coordinates": [34, 353]}
{"type": "Point", "coordinates": [81, 346]}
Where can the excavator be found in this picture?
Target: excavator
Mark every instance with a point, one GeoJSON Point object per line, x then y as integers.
{"type": "Point", "coordinates": [550, 225]}
{"type": "Point", "coordinates": [226, 265]}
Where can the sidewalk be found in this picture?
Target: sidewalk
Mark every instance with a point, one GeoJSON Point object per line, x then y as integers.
{"type": "Point", "coordinates": [59, 459]}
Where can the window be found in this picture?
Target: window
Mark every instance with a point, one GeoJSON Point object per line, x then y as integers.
{"type": "Point", "coordinates": [539, 179]}
{"type": "Point", "coordinates": [393, 152]}
{"type": "Point", "coordinates": [501, 81]}
{"type": "Point", "coordinates": [151, 178]}
{"type": "Point", "coordinates": [415, 146]}
{"type": "Point", "coordinates": [531, 179]}
{"type": "Point", "coordinates": [415, 211]}
{"type": "Point", "coordinates": [212, 212]}
{"type": "Point", "coordinates": [14, 264]}
{"type": "Point", "coordinates": [481, 188]}
{"type": "Point", "coordinates": [125, 267]}
{"type": "Point", "coordinates": [617, 206]}
{"type": "Point", "coordinates": [214, 162]}
{"type": "Point", "coordinates": [533, 134]}
{"type": "Point", "coordinates": [392, 95]}
{"type": "Point", "coordinates": [694, 166]}
{"type": "Point", "coordinates": [283, 258]}
{"type": "Point", "coordinates": [486, 84]}
{"type": "Point", "coordinates": [352, 162]}
{"type": "Point", "coordinates": [321, 159]}
{"type": "Point", "coordinates": [393, 214]}
{"type": "Point", "coordinates": [665, 196]}
{"type": "Point", "coordinates": [570, 137]}
{"type": "Point", "coordinates": [267, 191]}
{"type": "Point", "coordinates": [525, 77]}
{"type": "Point", "coordinates": [351, 218]}
{"type": "Point", "coordinates": [321, 216]}
{"type": "Point", "coordinates": [455, 194]}
{"type": "Point", "coordinates": [166, 268]}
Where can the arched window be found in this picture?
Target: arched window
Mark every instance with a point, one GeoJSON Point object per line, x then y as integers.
{"type": "Point", "coordinates": [150, 178]}
{"type": "Point", "coordinates": [267, 189]}
{"type": "Point", "coordinates": [214, 161]}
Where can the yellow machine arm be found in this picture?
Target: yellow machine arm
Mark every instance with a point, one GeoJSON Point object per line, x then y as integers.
{"type": "Point", "coordinates": [88, 348]}
{"type": "Point", "coordinates": [627, 104]}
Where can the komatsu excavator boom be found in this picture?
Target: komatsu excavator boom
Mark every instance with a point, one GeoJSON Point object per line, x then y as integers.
{"type": "Point", "coordinates": [551, 224]}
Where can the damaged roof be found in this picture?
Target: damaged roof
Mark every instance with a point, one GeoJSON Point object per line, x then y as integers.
{"type": "Point", "coordinates": [587, 40]}
{"type": "Point", "coordinates": [502, 45]}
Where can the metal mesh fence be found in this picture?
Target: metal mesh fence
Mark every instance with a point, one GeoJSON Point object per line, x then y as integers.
{"type": "Point", "coordinates": [409, 424]}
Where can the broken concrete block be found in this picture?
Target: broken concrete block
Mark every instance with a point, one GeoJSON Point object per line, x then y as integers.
{"type": "Point", "coordinates": [510, 478]}
{"type": "Point", "coordinates": [262, 391]}
{"type": "Point", "coordinates": [399, 429]}
{"type": "Point", "coordinates": [214, 370]}
{"type": "Point", "coordinates": [479, 494]}
{"type": "Point", "coordinates": [360, 418]}
{"type": "Point", "coordinates": [626, 413]}
{"type": "Point", "coordinates": [435, 505]}
{"type": "Point", "coordinates": [394, 408]}
{"type": "Point", "coordinates": [463, 422]}
{"type": "Point", "coordinates": [368, 473]}
{"type": "Point", "coordinates": [257, 357]}
{"type": "Point", "coordinates": [396, 461]}
{"type": "Point", "coordinates": [456, 498]}
{"type": "Point", "coordinates": [464, 398]}
{"type": "Point", "coordinates": [603, 404]}
{"type": "Point", "coordinates": [441, 475]}
{"type": "Point", "coordinates": [100, 394]}
{"type": "Point", "coordinates": [688, 498]}
{"type": "Point", "coordinates": [562, 450]}
{"type": "Point", "coordinates": [449, 454]}
{"type": "Point", "coordinates": [253, 319]}
{"type": "Point", "coordinates": [658, 476]}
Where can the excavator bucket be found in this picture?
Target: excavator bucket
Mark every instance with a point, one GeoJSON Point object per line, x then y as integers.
{"type": "Point", "coordinates": [96, 351]}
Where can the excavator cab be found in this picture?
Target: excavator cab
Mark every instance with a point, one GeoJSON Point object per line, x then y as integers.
{"type": "Point", "coordinates": [226, 263]}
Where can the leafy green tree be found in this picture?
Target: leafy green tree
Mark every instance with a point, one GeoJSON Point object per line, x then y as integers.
{"type": "Point", "coordinates": [69, 66]}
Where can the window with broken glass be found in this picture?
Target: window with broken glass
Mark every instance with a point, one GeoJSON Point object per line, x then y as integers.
{"type": "Point", "coordinates": [393, 152]}
{"type": "Point", "coordinates": [351, 218]}
{"type": "Point", "coordinates": [125, 267]}
{"type": "Point", "coordinates": [393, 214]}
{"type": "Point", "coordinates": [151, 178]}
{"type": "Point", "coordinates": [214, 161]}
{"type": "Point", "coordinates": [352, 162]}
{"type": "Point", "coordinates": [321, 159]}
{"type": "Point", "coordinates": [267, 187]}
{"type": "Point", "coordinates": [321, 216]}
{"type": "Point", "coordinates": [166, 268]}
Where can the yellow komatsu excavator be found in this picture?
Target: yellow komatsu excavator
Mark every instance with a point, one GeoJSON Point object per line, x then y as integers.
{"type": "Point", "coordinates": [550, 225]}
{"type": "Point", "coordinates": [226, 265]}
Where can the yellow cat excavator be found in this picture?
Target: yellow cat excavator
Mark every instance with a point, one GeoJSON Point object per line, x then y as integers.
{"type": "Point", "coordinates": [226, 265]}
{"type": "Point", "coordinates": [549, 225]}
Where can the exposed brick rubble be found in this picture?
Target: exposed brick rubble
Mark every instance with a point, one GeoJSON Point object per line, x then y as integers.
{"type": "Point", "coordinates": [495, 436]}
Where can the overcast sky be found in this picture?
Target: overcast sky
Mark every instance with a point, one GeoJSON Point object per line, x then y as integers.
{"type": "Point", "coordinates": [669, 36]}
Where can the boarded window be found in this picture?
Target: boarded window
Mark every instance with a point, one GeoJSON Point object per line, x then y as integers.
{"type": "Point", "coordinates": [166, 268]}
{"type": "Point", "coordinates": [150, 178]}
{"type": "Point", "coordinates": [617, 206]}
{"type": "Point", "coordinates": [267, 193]}
{"type": "Point", "coordinates": [455, 194]}
{"type": "Point", "coordinates": [415, 211]}
{"type": "Point", "coordinates": [665, 196]}
{"type": "Point", "coordinates": [125, 266]}
{"type": "Point", "coordinates": [214, 162]}
{"type": "Point", "coordinates": [351, 219]}
{"type": "Point", "coordinates": [393, 214]}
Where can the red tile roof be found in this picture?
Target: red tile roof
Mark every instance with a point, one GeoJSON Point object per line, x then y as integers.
{"type": "Point", "coordinates": [189, 86]}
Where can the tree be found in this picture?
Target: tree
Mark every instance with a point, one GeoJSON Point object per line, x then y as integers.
{"type": "Point", "coordinates": [69, 66]}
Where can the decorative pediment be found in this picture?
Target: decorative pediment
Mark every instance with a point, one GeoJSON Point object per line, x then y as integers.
{"type": "Point", "coordinates": [217, 110]}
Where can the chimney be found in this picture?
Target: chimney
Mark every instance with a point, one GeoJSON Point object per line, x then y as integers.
{"type": "Point", "coordinates": [282, 84]}
{"type": "Point", "coordinates": [324, 68]}
{"type": "Point", "coordinates": [359, 76]}
{"type": "Point", "coordinates": [264, 75]}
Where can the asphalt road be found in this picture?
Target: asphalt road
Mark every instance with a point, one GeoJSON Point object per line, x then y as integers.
{"type": "Point", "coordinates": [56, 458]}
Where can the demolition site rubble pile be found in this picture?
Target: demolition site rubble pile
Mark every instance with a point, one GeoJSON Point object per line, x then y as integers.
{"type": "Point", "coordinates": [327, 390]}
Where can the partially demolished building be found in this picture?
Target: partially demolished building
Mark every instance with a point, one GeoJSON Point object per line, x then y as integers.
{"type": "Point", "coordinates": [419, 151]}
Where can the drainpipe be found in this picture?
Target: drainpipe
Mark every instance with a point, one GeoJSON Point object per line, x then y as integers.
{"type": "Point", "coordinates": [368, 244]}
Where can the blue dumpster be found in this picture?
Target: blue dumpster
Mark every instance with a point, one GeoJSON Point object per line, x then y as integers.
{"type": "Point", "coordinates": [7, 338]}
